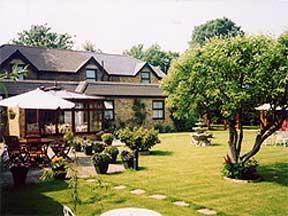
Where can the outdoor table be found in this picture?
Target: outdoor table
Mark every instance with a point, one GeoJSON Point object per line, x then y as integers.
{"type": "Point", "coordinates": [38, 145]}
{"type": "Point", "coordinates": [131, 212]}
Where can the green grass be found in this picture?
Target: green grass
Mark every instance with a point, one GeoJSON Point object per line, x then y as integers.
{"type": "Point", "coordinates": [180, 171]}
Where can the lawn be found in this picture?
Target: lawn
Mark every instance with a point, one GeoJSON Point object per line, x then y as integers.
{"type": "Point", "coordinates": [180, 171]}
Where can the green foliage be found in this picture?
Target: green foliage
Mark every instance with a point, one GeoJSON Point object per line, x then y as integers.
{"type": "Point", "coordinates": [47, 176]}
{"type": "Point", "coordinates": [139, 138]}
{"type": "Point", "coordinates": [154, 55]}
{"type": "Point", "coordinates": [74, 185]}
{"type": "Point", "coordinates": [112, 150]}
{"type": "Point", "coordinates": [228, 76]}
{"type": "Point", "coordinates": [91, 47]}
{"type": "Point", "coordinates": [245, 171]}
{"type": "Point", "coordinates": [42, 36]}
{"type": "Point", "coordinates": [220, 27]}
{"type": "Point", "coordinates": [127, 156]}
{"type": "Point", "coordinates": [164, 128]}
{"type": "Point", "coordinates": [98, 147]}
{"type": "Point", "coordinates": [139, 109]}
{"type": "Point", "coordinates": [100, 158]}
{"type": "Point", "coordinates": [107, 138]}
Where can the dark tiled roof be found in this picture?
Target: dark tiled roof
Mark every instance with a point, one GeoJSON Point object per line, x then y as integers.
{"type": "Point", "coordinates": [19, 87]}
{"type": "Point", "coordinates": [123, 89]}
{"type": "Point", "coordinates": [115, 89]}
{"type": "Point", "coordinates": [60, 60]}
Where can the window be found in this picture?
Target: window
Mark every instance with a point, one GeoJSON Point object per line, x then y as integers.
{"type": "Point", "coordinates": [109, 110]}
{"type": "Point", "coordinates": [19, 69]}
{"type": "Point", "coordinates": [145, 77]}
{"type": "Point", "coordinates": [158, 109]}
{"type": "Point", "coordinates": [91, 74]}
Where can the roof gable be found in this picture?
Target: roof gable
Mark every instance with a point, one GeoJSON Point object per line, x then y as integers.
{"type": "Point", "coordinates": [60, 60]}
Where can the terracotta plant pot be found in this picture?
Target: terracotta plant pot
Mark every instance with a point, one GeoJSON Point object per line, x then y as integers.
{"type": "Point", "coordinates": [19, 175]}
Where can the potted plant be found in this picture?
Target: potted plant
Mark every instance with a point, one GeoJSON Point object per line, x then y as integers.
{"type": "Point", "coordinates": [101, 162]}
{"type": "Point", "coordinates": [78, 144]}
{"type": "Point", "coordinates": [87, 147]}
{"type": "Point", "coordinates": [107, 138]}
{"type": "Point", "coordinates": [127, 159]}
{"type": "Point", "coordinates": [59, 167]}
{"type": "Point", "coordinates": [19, 164]}
{"type": "Point", "coordinates": [113, 152]}
{"type": "Point", "coordinates": [99, 135]}
{"type": "Point", "coordinates": [11, 114]}
{"type": "Point", "coordinates": [98, 147]}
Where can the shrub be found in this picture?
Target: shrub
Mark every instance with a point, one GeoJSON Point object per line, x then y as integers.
{"type": "Point", "coordinates": [113, 152]}
{"type": "Point", "coordinates": [98, 147]}
{"type": "Point", "coordinates": [245, 171]}
{"type": "Point", "coordinates": [107, 138]}
{"type": "Point", "coordinates": [100, 158]}
{"type": "Point", "coordinates": [140, 138]}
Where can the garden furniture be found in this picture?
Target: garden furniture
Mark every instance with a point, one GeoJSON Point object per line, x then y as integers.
{"type": "Point", "coordinates": [60, 148]}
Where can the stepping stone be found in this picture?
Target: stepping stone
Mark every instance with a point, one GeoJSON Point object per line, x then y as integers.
{"type": "Point", "coordinates": [120, 187]}
{"type": "Point", "coordinates": [181, 203]}
{"type": "Point", "coordinates": [158, 196]}
{"type": "Point", "coordinates": [90, 180]}
{"type": "Point", "coordinates": [206, 211]}
{"type": "Point", "coordinates": [137, 191]}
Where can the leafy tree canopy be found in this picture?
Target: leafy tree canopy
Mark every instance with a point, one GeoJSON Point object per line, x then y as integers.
{"type": "Point", "coordinates": [42, 36]}
{"type": "Point", "coordinates": [91, 47]}
{"type": "Point", "coordinates": [220, 27]}
{"type": "Point", "coordinates": [154, 55]}
{"type": "Point", "coordinates": [228, 75]}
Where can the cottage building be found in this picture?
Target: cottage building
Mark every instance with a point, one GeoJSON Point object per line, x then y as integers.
{"type": "Point", "coordinates": [128, 87]}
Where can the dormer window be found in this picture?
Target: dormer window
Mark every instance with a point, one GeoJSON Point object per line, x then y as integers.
{"type": "Point", "coordinates": [145, 77]}
{"type": "Point", "coordinates": [91, 74]}
{"type": "Point", "coordinates": [20, 70]}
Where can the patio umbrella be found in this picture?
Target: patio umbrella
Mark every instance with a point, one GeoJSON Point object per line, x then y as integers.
{"type": "Point", "coordinates": [37, 99]}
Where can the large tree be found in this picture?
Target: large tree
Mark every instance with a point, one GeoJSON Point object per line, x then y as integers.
{"type": "Point", "coordinates": [228, 75]}
{"type": "Point", "coordinates": [154, 55]}
{"type": "Point", "coordinates": [42, 36]}
{"type": "Point", "coordinates": [220, 27]}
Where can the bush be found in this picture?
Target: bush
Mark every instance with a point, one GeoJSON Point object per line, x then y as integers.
{"type": "Point", "coordinates": [140, 138]}
{"type": "Point", "coordinates": [107, 138]}
{"type": "Point", "coordinates": [99, 135]}
{"type": "Point", "coordinates": [113, 152]}
{"type": "Point", "coordinates": [244, 171]}
{"type": "Point", "coordinates": [164, 128]}
{"type": "Point", "coordinates": [98, 147]}
{"type": "Point", "coordinates": [100, 158]}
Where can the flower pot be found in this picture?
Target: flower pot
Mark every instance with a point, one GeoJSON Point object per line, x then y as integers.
{"type": "Point", "coordinates": [128, 164]}
{"type": "Point", "coordinates": [101, 168]}
{"type": "Point", "coordinates": [88, 150]}
{"type": "Point", "coordinates": [19, 175]}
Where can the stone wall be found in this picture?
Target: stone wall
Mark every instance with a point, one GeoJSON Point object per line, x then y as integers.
{"type": "Point", "coordinates": [137, 78]}
{"type": "Point", "coordinates": [124, 113]}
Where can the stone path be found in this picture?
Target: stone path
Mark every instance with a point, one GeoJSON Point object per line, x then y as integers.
{"type": "Point", "coordinates": [206, 211]}
{"type": "Point", "coordinates": [120, 187]}
{"type": "Point", "coordinates": [181, 203]}
{"type": "Point", "coordinates": [158, 196]}
{"type": "Point", "coordinates": [137, 191]}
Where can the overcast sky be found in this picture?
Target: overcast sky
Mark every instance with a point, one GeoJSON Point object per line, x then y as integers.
{"type": "Point", "coordinates": [115, 25]}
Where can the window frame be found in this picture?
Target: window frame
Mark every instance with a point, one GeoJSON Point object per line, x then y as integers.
{"type": "Point", "coordinates": [91, 78]}
{"type": "Point", "coordinates": [113, 110]}
{"type": "Point", "coordinates": [18, 65]}
{"type": "Point", "coordinates": [145, 79]}
{"type": "Point", "coordinates": [158, 109]}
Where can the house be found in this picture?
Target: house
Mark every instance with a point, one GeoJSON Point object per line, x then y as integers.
{"type": "Point", "coordinates": [129, 88]}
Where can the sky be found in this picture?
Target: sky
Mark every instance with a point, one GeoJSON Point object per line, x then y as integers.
{"type": "Point", "coordinates": [116, 25]}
